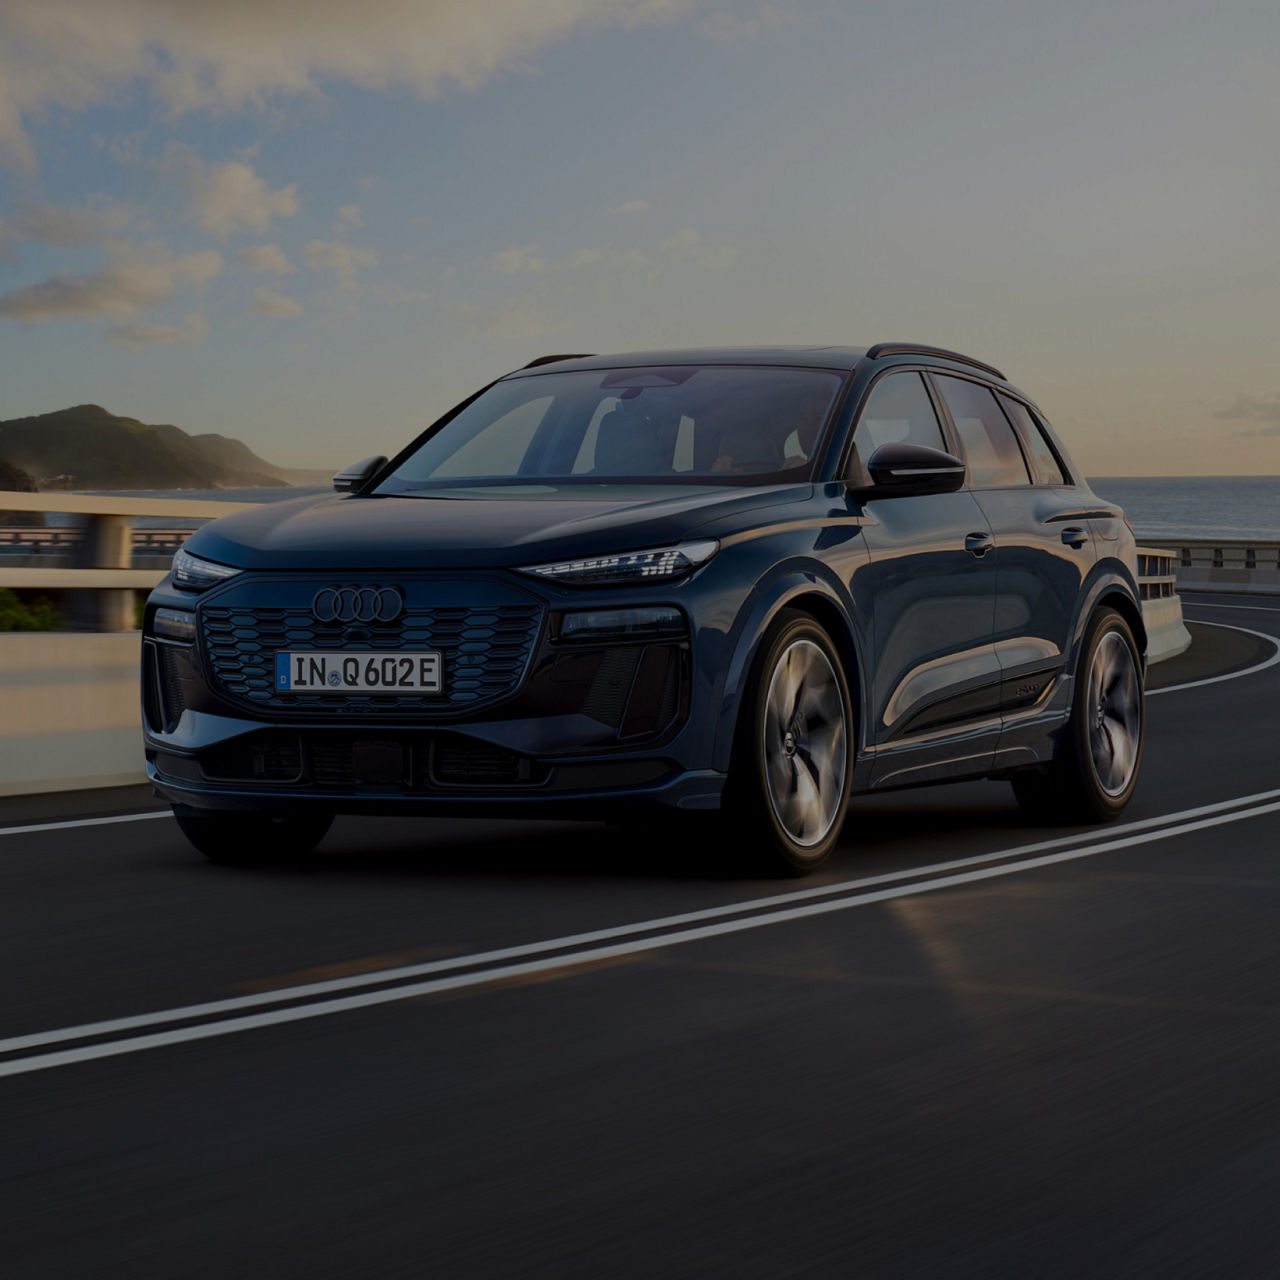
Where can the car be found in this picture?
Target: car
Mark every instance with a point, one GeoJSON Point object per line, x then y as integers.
{"type": "Point", "coordinates": [722, 589]}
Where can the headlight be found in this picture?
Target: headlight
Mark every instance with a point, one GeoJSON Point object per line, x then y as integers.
{"type": "Point", "coordinates": [193, 574]}
{"type": "Point", "coordinates": [659, 565]}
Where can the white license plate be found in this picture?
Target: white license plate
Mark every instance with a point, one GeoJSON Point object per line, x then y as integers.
{"type": "Point", "coordinates": [342, 671]}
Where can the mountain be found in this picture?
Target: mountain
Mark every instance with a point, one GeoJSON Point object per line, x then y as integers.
{"type": "Point", "coordinates": [17, 481]}
{"type": "Point", "coordinates": [86, 447]}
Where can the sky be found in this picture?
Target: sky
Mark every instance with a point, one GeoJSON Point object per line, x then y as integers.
{"type": "Point", "coordinates": [317, 225]}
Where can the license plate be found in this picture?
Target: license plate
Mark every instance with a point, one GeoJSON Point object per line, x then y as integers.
{"type": "Point", "coordinates": [343, 671]}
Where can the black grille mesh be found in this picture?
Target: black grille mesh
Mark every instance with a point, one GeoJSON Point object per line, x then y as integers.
{"type": "Point", "coordinates": [484, 654]}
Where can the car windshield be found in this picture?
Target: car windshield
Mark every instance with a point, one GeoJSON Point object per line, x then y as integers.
{"type": "Point", "coordinates": [702, 424]}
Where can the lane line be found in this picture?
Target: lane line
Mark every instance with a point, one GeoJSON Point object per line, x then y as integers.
{"type": "Point", "coordinates": [83, 822]}
{"type": "Point", "coordinates": [400, 974]}
{"type": "Point", "coordinates": [369, 999]}
{"type": "Point", "coordinates": [1231, 675]}
{"type": "Point", "coordinates": [1252, 608]}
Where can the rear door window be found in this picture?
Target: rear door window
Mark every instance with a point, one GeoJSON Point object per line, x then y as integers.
{"type": "Point", "coordinates": [990, 446]}
{"type": "Point", "coordinates": [1044, 460]}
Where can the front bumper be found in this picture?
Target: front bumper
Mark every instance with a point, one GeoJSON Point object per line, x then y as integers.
{"type": "Point", "coordinates": [552, 728]}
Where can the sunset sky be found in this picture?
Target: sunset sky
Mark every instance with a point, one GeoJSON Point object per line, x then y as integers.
{"type": "Point", "coordinates": [316, 225]}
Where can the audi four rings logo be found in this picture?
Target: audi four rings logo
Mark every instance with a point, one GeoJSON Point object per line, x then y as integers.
{"type": "Point", "coordinates": [358, 604]}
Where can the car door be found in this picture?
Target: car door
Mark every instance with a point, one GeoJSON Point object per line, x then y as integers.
{"type": "Point", "coordinates": [1044, 549]}
{"type": "Point", "coordinates": [929, 589]}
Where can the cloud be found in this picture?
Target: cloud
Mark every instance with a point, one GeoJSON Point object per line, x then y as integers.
{"type": "Point", "coordinates": [6, 242]}
{"type": "Point", "coordinates": [349, 218]}
{"type": "Point", "coordinates": [686, 246]}
{"type": "Point", "coordinates": [135, 337]}
{"type": "Point", "coordinates": [228, 198]}
{"type": "Point", "coordinates": [369, 180]}
{"type": "Point", "coordinates": [632, 206]}
{"type": "Point", "coordinates": [726, 26]}
{"type": "Point", "coordinates": [333, 255]}
{"type": "Point", "coordinates": [1263, 409]}
{"type": "Point", "coordinates": [265, 257]}
{"type": "Point", "coordinates": [510, 262]}
{"type": "Point", "coordinates": [133, 281]}
{"type": "Point", "coordinates": [268, 302]}
{"type": "Point", "coordinates": [71, 228]}
{"type": "Point", "coordinates": [400, 297]}
{"type": "Point", "coordinates": [517, 319]}
{"type": "Point", "coordinates": [243, 53]}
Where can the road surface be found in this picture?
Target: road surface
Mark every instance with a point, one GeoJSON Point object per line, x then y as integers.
{"type": "Point", "coordinates": [970, 1047]}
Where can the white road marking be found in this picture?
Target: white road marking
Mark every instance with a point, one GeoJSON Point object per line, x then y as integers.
{"type": "Point", "coordinates": [1231, 675]}
{"type": "Point", "coordinates": [82, 822]}
{"type": "Point", "coordinates": [381, 977]}
{"type": "Point", "coordinates": [1208, 604]}
{"type": "Point", "coordinates": [637, 946]}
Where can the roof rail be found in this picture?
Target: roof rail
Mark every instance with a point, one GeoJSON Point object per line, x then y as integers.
{"type": "Point", "coordinates": [915, 349]}
{"type": "Point", "coordinates": [533, 364]}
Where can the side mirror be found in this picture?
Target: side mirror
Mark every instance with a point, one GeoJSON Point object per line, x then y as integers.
{"type": "Point", "coordinates": [358, 474]}
{"type": "Point", "coordinates": [899, 470]}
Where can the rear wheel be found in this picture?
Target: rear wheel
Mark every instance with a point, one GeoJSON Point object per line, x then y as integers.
{"type": "Point", "coordinates": [1095, 770]}
{"type": "Point", "coordinates": [252, 839]}
{"type": "Point", "coordinates": [789, 787]}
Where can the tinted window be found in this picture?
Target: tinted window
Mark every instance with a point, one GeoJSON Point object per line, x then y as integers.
{"type": "Point", "coordinates": [719, 424]}
{"type": "Point", "coordinates": [1044, 461]}
{"type": "Point", "coordinates": [898, 411]}
{"type": "Point", "coordinates": [989, 444]}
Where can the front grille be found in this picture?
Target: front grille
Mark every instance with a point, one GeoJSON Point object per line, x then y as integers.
{"type": "Point", "coordinates": [484, 652]}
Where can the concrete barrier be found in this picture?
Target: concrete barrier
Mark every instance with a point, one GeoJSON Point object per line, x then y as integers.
{"type": "Point", "coordinates": [1167, 635]}
{"type": "Point", "coordinates": [69, 713]}
{"type": "Point", "coordinates": [1247, 565]}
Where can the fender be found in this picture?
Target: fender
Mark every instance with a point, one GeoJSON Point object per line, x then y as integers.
{"type": "Point", "coordinates": [808, 583]}
{"type": "Point", "coordinates": [1109, 578]}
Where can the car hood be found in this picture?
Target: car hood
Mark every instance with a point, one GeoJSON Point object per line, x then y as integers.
{"type": "Point", "coordinates": [478, 529]}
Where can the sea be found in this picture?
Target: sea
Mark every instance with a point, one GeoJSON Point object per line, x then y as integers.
{"type": "Point", "coordinates": [1158, 506]}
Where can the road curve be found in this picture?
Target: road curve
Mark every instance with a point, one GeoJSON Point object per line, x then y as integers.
{"type": "Point", "coordinates": [971, 1046]}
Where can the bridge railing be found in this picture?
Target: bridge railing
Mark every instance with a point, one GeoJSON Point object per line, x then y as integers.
{"type": "Point", "coordinates": [96, 560]}
{"type": "Point", "coordinates": [1250, 565]}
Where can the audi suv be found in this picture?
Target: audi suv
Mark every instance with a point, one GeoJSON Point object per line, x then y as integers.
{"type": "Point", "coordinates": [730, 587]}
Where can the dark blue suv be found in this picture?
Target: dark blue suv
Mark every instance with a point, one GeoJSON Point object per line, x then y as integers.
{"type": "Point", "coordinates": [731, 586]}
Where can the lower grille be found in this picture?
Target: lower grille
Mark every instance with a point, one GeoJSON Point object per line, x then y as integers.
{"type": "Point", "coordinates": [464, 762]}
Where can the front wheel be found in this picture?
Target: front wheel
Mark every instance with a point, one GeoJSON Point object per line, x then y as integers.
{"type": "Point", "coordinates": [789, 788]}
{"type": "Point", "coordinates": [251, 839]}
{"type": "Point", "coordinates": [1095, 768]}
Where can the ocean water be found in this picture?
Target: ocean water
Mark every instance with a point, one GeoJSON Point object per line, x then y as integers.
{"type": "Point", "coordinates": [1158, 506]}
{"type": "Point", "coordinates": [1197, 507]}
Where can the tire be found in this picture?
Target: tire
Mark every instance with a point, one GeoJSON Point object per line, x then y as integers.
{"type": "Point", "coordinates": [252, 839]}
{"type": "Point", "coordinates": [788, 787]}
{"type": "Point", "coordinates": [1095, 768]}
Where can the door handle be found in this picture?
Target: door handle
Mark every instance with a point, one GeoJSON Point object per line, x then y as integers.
{"type": "Point", "coordinates": [978, 544]}
{"type": "Point", "coordinates": [1075, 536]}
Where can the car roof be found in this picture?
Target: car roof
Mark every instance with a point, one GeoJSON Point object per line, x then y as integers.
{"type": "Point", "coordinates": [837, 358]}
{"type": "Point", "coordinates": [840, 358]}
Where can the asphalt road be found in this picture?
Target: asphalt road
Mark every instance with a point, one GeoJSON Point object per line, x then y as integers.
{"type": "Point", "coordinates": [972, 1046]}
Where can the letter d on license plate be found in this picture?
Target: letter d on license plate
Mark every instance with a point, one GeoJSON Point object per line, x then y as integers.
{"type": "Point", "coordinates": [341, 671]}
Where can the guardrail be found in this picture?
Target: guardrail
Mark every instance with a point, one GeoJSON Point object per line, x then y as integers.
{"type": "Point", "coordinates": [1167, 635]}
{"type": "Point", "coordinates": [1249, 565]}
{"type": "Point", "coordinates": [102, 574]}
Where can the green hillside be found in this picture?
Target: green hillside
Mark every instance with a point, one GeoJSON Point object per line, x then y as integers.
{"type": "Point", "coordinates": [86, 447]}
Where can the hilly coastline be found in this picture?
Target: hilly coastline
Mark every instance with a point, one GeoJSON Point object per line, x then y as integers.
{"type": "Point", "coordinates": [87, 447]}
